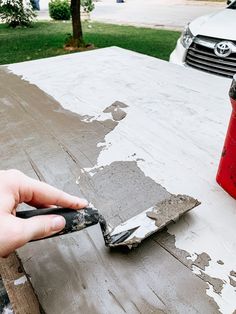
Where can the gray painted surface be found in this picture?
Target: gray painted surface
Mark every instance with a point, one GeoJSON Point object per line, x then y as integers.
{"type": "Point", "coordinates": [76, 273]}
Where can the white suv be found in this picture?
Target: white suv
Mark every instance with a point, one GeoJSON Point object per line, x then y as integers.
{"type": "Point", "coordinates": [209, 43]}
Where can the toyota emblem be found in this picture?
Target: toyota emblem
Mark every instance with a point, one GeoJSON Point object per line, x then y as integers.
{"type": "Point", "coordinates": [223, 49]}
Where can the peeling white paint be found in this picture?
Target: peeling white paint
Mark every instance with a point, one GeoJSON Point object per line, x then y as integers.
{"type": "Point", "coordinates": [20, 281]}
{"type": "Point", "coordinates": [7, 309]}
{"type": "Point", "coordinates": [176, 123]}
{"type": "Point", "coordinates": [145, 226]}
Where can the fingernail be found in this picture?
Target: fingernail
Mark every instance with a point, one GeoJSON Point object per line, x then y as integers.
{"type": "Point", "coordinates": [58, 223]}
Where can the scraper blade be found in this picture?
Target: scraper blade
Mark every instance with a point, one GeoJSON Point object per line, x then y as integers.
{"type": "Point", "coordinates": [151, 220]}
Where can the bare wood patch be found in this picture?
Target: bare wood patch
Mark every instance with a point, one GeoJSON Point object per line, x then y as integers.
{"type": "Point", "coordinates": [18, 286]}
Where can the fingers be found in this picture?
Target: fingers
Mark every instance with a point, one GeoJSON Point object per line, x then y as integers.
{"type": "Point", "coordinates": [42, 193]}
{"type": "Point", "coordinates": [16, 187]}
{"type": "Point", "coordinates": [16, 232]}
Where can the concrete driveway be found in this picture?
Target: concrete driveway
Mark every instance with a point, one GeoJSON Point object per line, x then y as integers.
{"type": "Point", "coordinates": [155, 13]}
{"type": "Point", "coordinates": [173, 14]}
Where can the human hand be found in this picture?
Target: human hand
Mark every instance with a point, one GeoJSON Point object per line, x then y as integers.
{"type": "Point", "coordinates": [16, 188]}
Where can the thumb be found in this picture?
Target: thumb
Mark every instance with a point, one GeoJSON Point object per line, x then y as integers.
{"type": "Point", "coordinates": [24, 230]}
{"type": "Point", "coordinates": [42, 226]}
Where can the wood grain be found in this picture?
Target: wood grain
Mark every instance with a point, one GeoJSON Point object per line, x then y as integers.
{"type": "Point", "coordinates": [18, 286]}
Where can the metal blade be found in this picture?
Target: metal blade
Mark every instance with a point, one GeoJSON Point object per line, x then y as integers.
{"type": "Point", "coordinates": [122, 236]}
{"type": "Point", "coordinates": [131, 232]}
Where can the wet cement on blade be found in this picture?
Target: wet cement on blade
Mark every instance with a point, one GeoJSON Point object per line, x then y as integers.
{"type": "Point", "coordinates": [171, 209]}
{"type": "Point", "coordinates": [50, 143]}
{"type": "Point", "coordinates": [161, 214]}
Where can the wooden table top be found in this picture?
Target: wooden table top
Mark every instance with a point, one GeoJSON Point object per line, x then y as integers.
{"type": "Point", "coordinates": [122, 129]}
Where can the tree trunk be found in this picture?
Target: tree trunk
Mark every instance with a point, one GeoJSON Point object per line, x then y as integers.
{"type": "Point", "coordinates": [77, 36]}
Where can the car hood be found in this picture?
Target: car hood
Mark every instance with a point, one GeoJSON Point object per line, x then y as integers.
{"type": "Point", "coordinates": [221, 24]}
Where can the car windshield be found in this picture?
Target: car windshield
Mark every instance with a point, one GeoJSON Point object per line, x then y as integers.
{"type": "Point", "coordinates": [232, 6]}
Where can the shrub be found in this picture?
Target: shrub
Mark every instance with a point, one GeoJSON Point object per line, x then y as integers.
{"type": "Point", "coordinates": [59, 9]}
{"type": "Point", "coordinates": [87, 5]}
{"type": "Point", "coordinates": [16, 12]}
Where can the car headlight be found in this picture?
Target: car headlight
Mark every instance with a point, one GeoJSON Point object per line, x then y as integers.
{"type": "Point", "coordinates": [187, 37]}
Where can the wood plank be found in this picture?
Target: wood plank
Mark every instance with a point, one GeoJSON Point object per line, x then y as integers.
{"type": "Point", "coordinates": [18, 286]}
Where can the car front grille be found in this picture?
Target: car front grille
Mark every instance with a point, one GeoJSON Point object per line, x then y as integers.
{"type": "Point", "coordinates": [201, 55]}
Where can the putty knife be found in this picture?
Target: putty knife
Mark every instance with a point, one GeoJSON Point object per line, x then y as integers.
{"type": "Point", "coordinates": [129, 233]}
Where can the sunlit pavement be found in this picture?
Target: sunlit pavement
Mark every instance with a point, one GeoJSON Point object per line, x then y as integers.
{"type": "Point", "coordinates": [174, 14]}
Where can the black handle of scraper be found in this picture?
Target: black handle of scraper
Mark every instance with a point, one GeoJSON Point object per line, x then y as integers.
{"type": "Point", "coordinates": [75, 219]}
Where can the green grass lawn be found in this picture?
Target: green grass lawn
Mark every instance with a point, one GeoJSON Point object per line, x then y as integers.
{"type": "Point", "coordinates": [46, 39]}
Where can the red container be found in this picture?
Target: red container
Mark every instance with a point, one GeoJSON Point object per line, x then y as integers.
{"type": "Point", "coordinates": [226, 176]}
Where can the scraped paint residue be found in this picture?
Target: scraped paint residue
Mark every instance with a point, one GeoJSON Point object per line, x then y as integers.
{"type": "Point", "coordinates": [20, 281]}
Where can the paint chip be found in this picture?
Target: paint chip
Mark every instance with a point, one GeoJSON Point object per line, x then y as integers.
{"type": "Point", "coordinates": [20, 281]}
{"type": "Point", "coordinates": [202, 261]}
{"type": "Point", "coordinates": [232, 282]}
{"type": "Point", "coordinates": [115, 109]}
{"type": "Point", "coordinates": [233, 273]}
{"type": "Point", "coordinates": [216, 283]}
